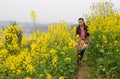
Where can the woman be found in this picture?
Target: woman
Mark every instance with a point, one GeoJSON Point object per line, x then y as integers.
{"type": "Point", "coordinates": [82, 31]}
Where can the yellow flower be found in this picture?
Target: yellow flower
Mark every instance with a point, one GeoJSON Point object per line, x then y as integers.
{"type": "Point", "coordinates": [18, 72]}
{"type": "Point", "coordinates": [45, 55]}
{"type": "Point", "coordinates": [24, 41]}
{"type": "Point", "coordinates": [102, 50]}
{"type": "Point", "coordinates": [53, 51]}
{"type": "Point", "coordinates": [78, 56]}
{"type": "Point", "coordinates": [65, 48]}
{"type": "Point", "coordinates": [1, 45]}
{"type": "Point", "coordinates": [54, 61]}
{"type": "Point", "coordinates": [68, 59]}
{"type": "Point", "coordinates": [33, 15]}
{"type": "Point", "coordinates": [61, 77]}
{"type": "Point", "coordinates": [115, 42]}
{"type": "Point", "coordinates": [77, 36]}
{"type": "Point", "coordinates": [3, 53]}
{"type": "Point", "coordinates": [97, 45]}
{"type": "Point", "coordinates": [41, 75]}
{"type": "Point", "coordinates": [62, 53]}
{"type": "Point", "coordinates": [30, 69]}
{"type": "Point", "coordinates": [49, 76]}
{"type": "Point", "coordinates": [27, 77]}
{"type": "Point", "coordinates": [34, 46]}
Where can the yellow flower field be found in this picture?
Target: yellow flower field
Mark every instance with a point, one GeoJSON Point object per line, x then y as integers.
{"type": "Point", "coordinates": [52, 54]}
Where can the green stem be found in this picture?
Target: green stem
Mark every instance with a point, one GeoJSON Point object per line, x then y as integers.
{"type": "Point", "coordinates": [35, 29]}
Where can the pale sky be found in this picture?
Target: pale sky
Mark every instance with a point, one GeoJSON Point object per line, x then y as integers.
{"type": "Point", "coordinates": [47, 10]}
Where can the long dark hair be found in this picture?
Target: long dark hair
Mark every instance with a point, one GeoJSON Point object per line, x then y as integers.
{"type": "Point", "coordinates": [82, 20]}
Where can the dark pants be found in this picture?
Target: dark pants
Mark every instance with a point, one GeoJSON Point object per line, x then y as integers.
{"type": "Point", "coordinates": [80, 55]}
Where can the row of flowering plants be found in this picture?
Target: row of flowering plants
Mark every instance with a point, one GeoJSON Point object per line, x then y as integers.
{"type": "Point", "coordinates": [104, 53]}
{"type": "Point", "coordinates": [50, 55]}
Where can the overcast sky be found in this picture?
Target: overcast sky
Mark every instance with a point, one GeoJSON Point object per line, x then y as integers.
{"type": "Point", "coordinates": [47, 10]}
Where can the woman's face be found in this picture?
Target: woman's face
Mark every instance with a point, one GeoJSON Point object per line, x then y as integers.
{"type": "Point", "coordinates": [80, 22]}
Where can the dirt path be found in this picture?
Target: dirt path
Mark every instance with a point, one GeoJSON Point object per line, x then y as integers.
{"type": "Point", "coordinates": [83, 71]}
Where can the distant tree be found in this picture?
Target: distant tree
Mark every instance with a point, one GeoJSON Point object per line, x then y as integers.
{"type": "Point", "coordinates": [101, 9]}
